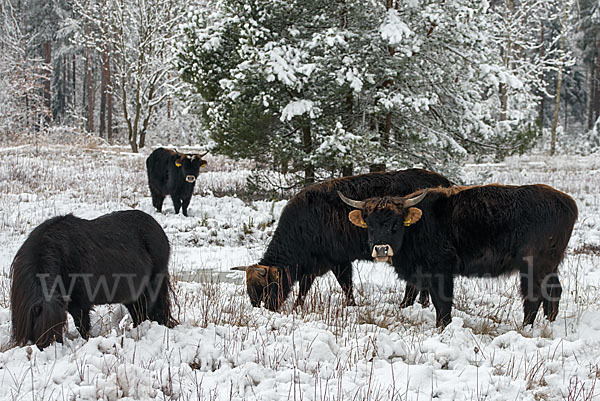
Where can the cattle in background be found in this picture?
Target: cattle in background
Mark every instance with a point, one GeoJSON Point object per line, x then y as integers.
{"type": "Point", "coordinates": [68, 264]}
{"type": "Point", "coordinates": [475, 231]}
{"type": "Point", "coordinates": [173, 173]}
{"type": "Point", "coordinates": [314, 236]}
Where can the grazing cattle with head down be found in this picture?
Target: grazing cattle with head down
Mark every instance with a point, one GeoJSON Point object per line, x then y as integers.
{"type": "Point", "coordinates": [173, 173]}
{"type": "Point", "coordinates": [68, 264]}
{"type": "Point", "coordinates": [314, 236]}
{"type": "Point", "coordinates": [473, 231]}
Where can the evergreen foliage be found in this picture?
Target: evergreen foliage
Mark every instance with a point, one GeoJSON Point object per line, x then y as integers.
{"type": "Point", "coordinates": [313, 87]}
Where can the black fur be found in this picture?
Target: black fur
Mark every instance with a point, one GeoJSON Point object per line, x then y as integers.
{"type": "Point", "coordinates": [167, 172]}
{"type": "Point", "coordinates": [62, 266]}
{"type": "Point", "coordinates": [315, 236]}
{"type": "Point", "coordinates": [479, 231]}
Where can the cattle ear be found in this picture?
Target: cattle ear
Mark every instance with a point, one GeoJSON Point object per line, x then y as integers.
{"type": "Point", "coordinates": [273, 273]}
{"type": "Point", "coordinates": [414, 214]}
{"type": "Point", "coordinates": [260, 270]}
{"type": "Point", "coordinates": [356, 218]}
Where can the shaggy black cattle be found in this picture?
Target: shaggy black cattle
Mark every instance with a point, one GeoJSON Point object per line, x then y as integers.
{"type": "Point", "coordinates": [173, 173]}
{"type": "Point", "coordinates": [68, 264]}
{"type": "Point", "coordinates": [314, 236]}
{"type": "Point", "coordinates": [473, 231]}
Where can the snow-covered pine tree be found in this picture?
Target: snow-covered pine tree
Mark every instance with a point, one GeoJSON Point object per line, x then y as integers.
{"type": "Point", "coordinates": [313, 87]}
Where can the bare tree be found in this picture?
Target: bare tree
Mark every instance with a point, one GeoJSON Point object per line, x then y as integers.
{"type": "Point", "coordinates": [23, 101]}
{"type": "Point", "coordinates": [139, 34]}
{"type": "Point", "coordinates": [563, 29]}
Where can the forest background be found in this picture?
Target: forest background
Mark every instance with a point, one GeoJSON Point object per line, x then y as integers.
{"type": "Point", "coordinates": [307, 89]}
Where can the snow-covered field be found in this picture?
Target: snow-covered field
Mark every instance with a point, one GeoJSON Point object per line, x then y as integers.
{"type": "Point", "coordinates": [226, 350]}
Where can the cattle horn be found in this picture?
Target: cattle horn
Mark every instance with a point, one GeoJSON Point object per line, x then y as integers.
{"type": "Point", "coordinates": [203, 154]}
{"type": "Point", "coordinates": [240, 268]}
{"type": "Point", "coordinates": [351, 202]}
{"type": "Point", "coordinates": [413, 201]}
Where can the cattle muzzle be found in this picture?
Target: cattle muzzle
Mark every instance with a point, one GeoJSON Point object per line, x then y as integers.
{"type": "Point", "coordinates": [383, 253]}
{"type": "Point", "coordinates": [190, 178]}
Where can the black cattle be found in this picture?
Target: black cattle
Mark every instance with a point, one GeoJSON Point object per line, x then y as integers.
{"type": "Point", "coordinates": [473, 231]}
{"type": "Point", "coordinates": [173, 173]}
{"type": "Point", "coordinates": [71, 264]}
{"type": "Point", "coordinates": [314, 236]}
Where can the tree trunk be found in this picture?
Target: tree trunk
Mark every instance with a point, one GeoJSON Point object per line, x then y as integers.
{"type": "Point", "coordinates": [103, 90]}
{"type": "Point", "coordinates": [597, 86]}
{"type": "Point", "coordinates": [566, 105]}
{"type": "Point", "coordinates": [503, 101]}
{"type": "Point", "coordinates": [591, 97]}
{"type": "Point", "coordinates": [556, 108]}
{"type": "Point", "coordinates": [109, 105]}
{"type": "Point", "coordinates": [376, 167]}
{"type": "Point", "coordinates": [47, 54]}
{"type": "Point", "coordinates": [387, 127]}
{"type": "Point", "coordinates": [506, 55]}
{"type": "Point", "coordinates": [73, 101]}
{"type": "Point", "coordinates": [65, 65]}
{"type": "Point", "coordinates": [90, 90]}
{"type": "Point", "coordinates": [106, 96]}
{"type": "Point", "coordinates": [558, 82]}
{"type": "Point", "coordinates": [347, 170]}
{"type": "Point", "coordinates": [542, 96]}
{"type": "Point", "coordinates": [307, 143]}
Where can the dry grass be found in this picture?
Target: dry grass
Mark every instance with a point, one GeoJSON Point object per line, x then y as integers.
{"type": "Point", "coordinates": [38, 182]}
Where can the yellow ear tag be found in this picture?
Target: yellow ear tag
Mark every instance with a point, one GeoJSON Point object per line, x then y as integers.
{"type": "Point", "coordinates": [204, 165]}
{"type": "Point", "coordinates": [363, 224]}
{"type": "Point", "coordinates": [276, 275]}
{"type": "Point", "coordinates": [178, 164]}
{"type": "Point", "coordinates": [407, 222]}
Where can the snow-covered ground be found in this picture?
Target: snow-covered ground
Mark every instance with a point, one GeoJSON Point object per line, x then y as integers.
{"type": "Point", "coordinates": [226, 350]}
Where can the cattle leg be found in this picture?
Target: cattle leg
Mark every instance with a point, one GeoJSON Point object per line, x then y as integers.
{"type": "Point", "coordinates": [343, 274]}
{"type": "Point", "coordinates": [138, 310]}
{"type": "Point", "coordinates": [410, 294]}
{"type": "Point", "coordinates": [184, 205]}
{"type": "Point", "coordinates": [304, 286]}
{"type": "Point", "coordinates": [157, 199]}
{"type": "Point", "coordinates": [442, 292]}
{"type": "Point", "coordinates": [161, 310]}
{"type": "Point", "coordinates": [551, 293]}
{"type": "Point", "coordinates": [424, 298]}
{"type": "Point", "coordinates": [176, 204]}
{"type": "Point", "coordinates": [81, 317]}
{"type": "Point", "coordinates": [531, 293]}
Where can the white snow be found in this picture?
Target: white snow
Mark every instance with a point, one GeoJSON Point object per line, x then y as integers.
{"type": "Point", "coordinates": [393, 29]}
{"type": "Point", "coordinates": [297, 107]}
{"type": "Point", "coordinates": [226, 350]}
